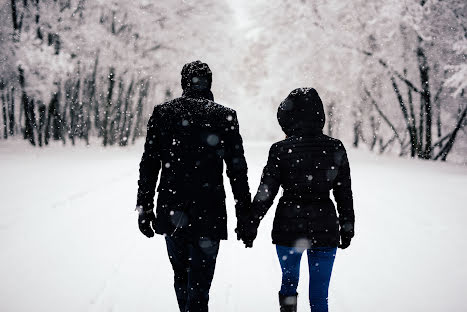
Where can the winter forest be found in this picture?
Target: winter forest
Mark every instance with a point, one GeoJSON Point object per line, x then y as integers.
{"type": "Point", "coordinates": [79, 80]}
{"type": "Point", "coordinates": [393, 73]}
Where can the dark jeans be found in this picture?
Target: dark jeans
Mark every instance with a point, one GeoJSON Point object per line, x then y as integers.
{"type": "Point", "coordinates": [320, 262]}
{"type": "Point", "coordinates": [193, 262]}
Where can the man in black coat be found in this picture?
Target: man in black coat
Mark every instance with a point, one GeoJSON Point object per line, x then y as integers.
{"type": "Point", "coordinates": [189, 138]}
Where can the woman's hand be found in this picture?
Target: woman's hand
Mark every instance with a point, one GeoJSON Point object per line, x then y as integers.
{"type": "Point", "coordinates": [345, 242]}
{"type": "Point", "coordinates": [346, 233]}
{"type": "Point", "coordinates": [246, 231]}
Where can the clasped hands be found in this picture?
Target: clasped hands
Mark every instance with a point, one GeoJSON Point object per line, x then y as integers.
{"type": "Point", "coordinates": [246, 230]}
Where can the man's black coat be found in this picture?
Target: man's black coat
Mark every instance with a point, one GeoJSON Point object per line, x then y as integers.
{"type": "Point", "coordinates": [190, 138]}
{"type": "Point", "coordinates": [308, 165]}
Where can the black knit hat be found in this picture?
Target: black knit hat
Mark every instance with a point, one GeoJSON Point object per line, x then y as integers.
{"type": "Point", "coordinates": [196, 75]}
{"type": "Point", "coordinates": [301, 112]}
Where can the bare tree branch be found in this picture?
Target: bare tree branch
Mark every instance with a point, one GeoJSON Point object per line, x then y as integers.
{"type": "Point", "coordinates": [380, 112]}
{"type": "Point", "coordinates": [443, 154]}
{"type": "Point", "coordinates": [409, 124]}
{"type": "Point", "coordinates": [385, 65]}
{"type": "Point", "coordinates": [441, 140]}
{"type": "Point", "coordinates": [154, 48]}
{"type": "Point", "coordinates": [388, 143]}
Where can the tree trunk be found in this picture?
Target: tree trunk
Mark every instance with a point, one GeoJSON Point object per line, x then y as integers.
{"type": "Point", "coordinates": [86, 106]}
{"type": "Point", "coordinates": [14, 15]}
{"type": "Point", "coordinates": [11, 110]}
{"type": "Point", "coordinates": [425, 98]}
{"type": "Point", "coordinates": [30, 121]}
{"type": "Point", "coordinates": [20, 121]}
{"type": "Point", "coordinates": [128, 129]}
{"type": "Point", "coordinates": [438, 120]}
{"type": "Point", "coordinates": [92, 97]}
{"type": "Point", "coordinates": [124, 128]}
{"type": "Point", "coordinates": [356, 132]}
{"type": "Point", "coordinates": [330, 121]}
{"type": "Point", "coordinates": [374, 128]}
{"type": "Point", "coordinates": [108, 106]}
{"type": "Point", "coordinates": [28, 107]}
{"type": "Point", "coordinates": [42, 121]}
{"type": "Point", "coordinates": [53, 120]}
{"type": "Point", "coordinates": [70, 103]}
{"type": "Point", "coordinates": [405, 114]}
{"type": "Point", "coordinates": [437, 104]}
{"type": "Point", "coordinates": [414, 138]}
{"type": "Point", "coordinates": [39, 34]}
{"type": "Point", "coordinates": [63, 113]}
{"type": "Point", "coordinates": [139, 109]}
{"type": "Point", "coordinates": [80, 123]}
{"type": "Point", "coordinates": [117, 111]}
{"type": "Point", "coordinates": [4, 115]}
{"type": "Point", "coordinates": [75, 109]}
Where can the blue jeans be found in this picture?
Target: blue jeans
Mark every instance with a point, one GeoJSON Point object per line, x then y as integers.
{"type": "Point", "coordinates": [320, 262]}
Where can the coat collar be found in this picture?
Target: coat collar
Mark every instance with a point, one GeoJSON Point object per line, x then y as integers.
{"type": "Point", "coordinates": [198, 94]}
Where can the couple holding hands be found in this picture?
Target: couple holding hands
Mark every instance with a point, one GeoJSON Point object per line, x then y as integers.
{"type": "Point", "coordinates": [189, 139]}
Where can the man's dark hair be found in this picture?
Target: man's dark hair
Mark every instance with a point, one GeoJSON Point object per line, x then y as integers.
{"type": "Point", "coordinates": [196, 75]}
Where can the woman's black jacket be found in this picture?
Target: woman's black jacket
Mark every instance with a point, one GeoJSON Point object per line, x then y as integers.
{"type": "Point", "coordinates": [308, 165]}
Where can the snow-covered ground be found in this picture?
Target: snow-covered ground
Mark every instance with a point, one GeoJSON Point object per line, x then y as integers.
{"type": "Point", "coordinates": [69, 239]}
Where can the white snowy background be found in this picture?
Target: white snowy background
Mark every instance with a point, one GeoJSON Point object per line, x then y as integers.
{"type": "Point", "coordinates": [75, 246]}
{"type": "Point", "coordinates": [69, 239]}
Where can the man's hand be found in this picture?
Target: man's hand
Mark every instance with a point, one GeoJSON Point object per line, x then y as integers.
{"type": "Point", "coordinates": [246, 231]}
{"type": "Point", "coordinates": [144, 222]}
{"type": "Point", "coordinates": [248, 239]}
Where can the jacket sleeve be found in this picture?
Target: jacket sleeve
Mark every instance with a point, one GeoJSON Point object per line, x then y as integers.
{"type": "Point", "coordinates": [237, 168]}
{"type": "Point", "coordinates": [268, 188]}
{"type": "Point", "coordinates": [342, 191]}
{"type": "Point", "coordinates": [149, 166]}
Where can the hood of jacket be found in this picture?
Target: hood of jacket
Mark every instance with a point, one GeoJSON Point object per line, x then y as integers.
{"type": "Point", "coordinates": [196, 80]}
{"type": "Point", "coordinates": [302, 113]}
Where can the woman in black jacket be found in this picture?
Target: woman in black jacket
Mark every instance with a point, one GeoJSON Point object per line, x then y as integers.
{"type": "Point", "coordinates": [308, 165]}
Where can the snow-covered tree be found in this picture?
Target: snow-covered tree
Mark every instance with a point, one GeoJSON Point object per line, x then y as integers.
{"type": "Point", "coordinates": [93, 64]}
{"type": "Point", "coordinates": [386, 63]}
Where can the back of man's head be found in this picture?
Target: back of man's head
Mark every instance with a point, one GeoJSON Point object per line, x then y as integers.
{"type": "Point", "coordinates": [196, 76]}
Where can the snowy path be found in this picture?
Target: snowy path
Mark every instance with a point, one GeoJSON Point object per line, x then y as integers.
{"type": "Point", "coordinates": [70, 242]}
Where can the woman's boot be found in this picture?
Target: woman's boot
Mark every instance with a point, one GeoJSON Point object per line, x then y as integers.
{"type": "Point", "coordinates": [288, 303]}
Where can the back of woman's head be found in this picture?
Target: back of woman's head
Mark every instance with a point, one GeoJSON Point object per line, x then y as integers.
{"type": "Point", "coordinates": [302, 112]}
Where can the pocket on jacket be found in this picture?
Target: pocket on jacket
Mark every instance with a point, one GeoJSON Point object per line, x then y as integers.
{"type": "Point", "coordinates": [177, 212]}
